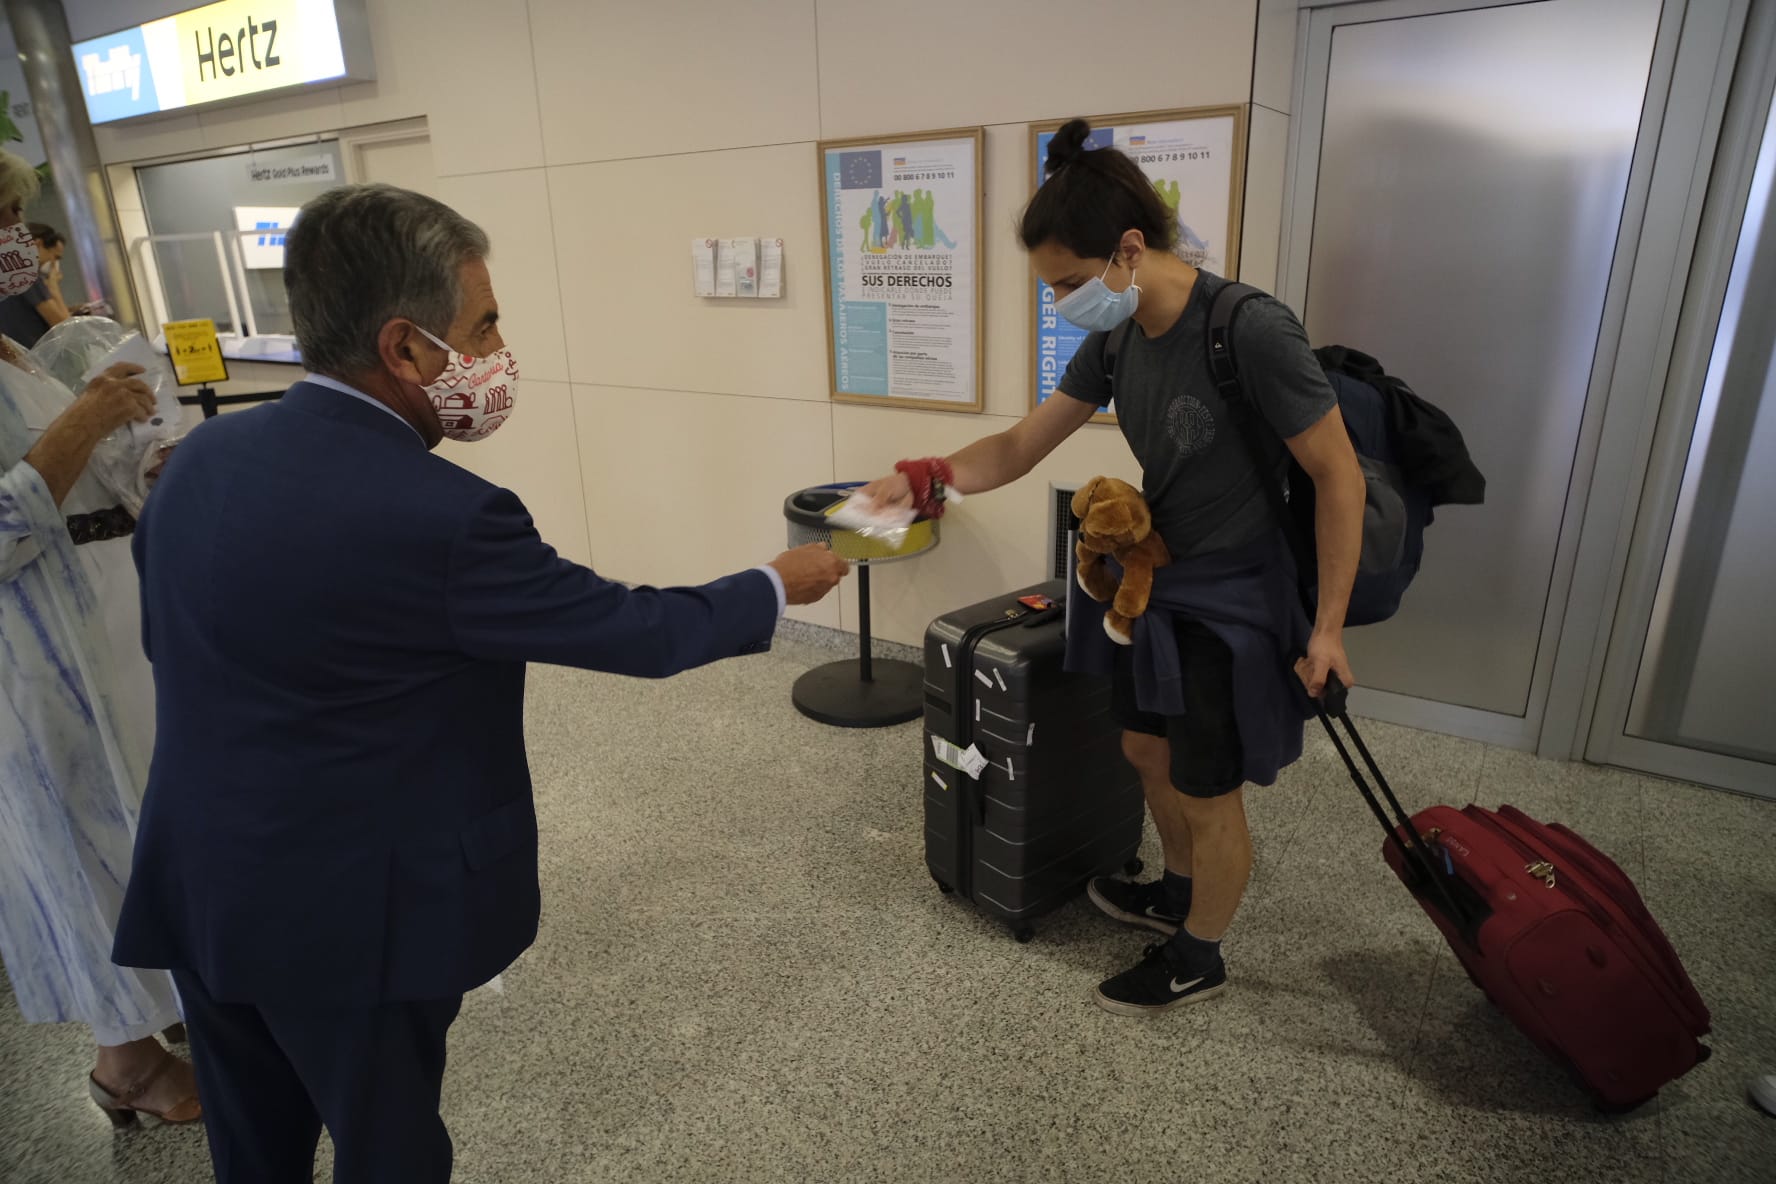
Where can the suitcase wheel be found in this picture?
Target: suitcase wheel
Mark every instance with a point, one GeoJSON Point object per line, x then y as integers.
{"type": "Point", "coordinates": [1024, 934]}
{"type": "Point", "coordinates": [942, 887]}
{"type": "Point", "coordinates": [1134, 867]}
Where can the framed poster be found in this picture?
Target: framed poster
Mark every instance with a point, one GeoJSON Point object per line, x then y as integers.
{"type": "Point", "coordinates": [902, 228]}
{"type": "Point", "coordinates": [1196, 159]}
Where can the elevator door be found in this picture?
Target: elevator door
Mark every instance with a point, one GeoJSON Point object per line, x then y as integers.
{"type": "Point", "coordinates": [1687, 690]}
{"type": "Point", "coordinates": [1467, 187]}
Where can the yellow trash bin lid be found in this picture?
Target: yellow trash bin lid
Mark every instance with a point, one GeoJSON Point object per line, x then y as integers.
{"type": "Point", "coordinates": [808, 511]}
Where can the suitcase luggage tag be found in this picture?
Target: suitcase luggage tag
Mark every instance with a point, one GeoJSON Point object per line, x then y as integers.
{"type": "Point", "coordinates": [1042, 609]}
{"type": "Point", "coordinates": [968, 760]}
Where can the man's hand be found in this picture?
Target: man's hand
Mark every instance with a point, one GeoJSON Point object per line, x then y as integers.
{"type": "Point", "coordinates": [115, 398]}
{"type": "Point", "coordinates": [1325, 653]}
{"type": "Point", "coordinates": [810, 572]}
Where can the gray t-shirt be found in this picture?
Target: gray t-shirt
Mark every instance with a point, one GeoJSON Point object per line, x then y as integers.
{"type": "Point", "coordinates": [1197, 476]}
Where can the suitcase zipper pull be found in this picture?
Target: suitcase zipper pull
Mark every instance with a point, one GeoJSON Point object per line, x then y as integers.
{"type": "Point", "coordinates": [1543, 871]}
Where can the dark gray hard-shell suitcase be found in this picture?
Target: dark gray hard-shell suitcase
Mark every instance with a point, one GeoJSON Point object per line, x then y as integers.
{"type": "Point", "coordinates": [1054, 802]}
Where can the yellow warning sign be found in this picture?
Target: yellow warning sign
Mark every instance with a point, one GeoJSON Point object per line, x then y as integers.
{"type": "Point", "coordinates": [195, 351]}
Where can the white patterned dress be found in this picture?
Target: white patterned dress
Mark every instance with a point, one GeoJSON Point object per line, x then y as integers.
{"type": "Point", "coordinates": [76, 734]}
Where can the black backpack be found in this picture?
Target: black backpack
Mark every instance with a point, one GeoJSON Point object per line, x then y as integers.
{"type": "Point", "coordinates": [1411, 453]}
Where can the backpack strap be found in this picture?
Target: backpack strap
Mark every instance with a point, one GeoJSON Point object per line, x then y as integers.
{"type": "Point", "coordinates": [1223, 365]}
{"type": "Point", "coordinates": [1113, 343]}
{"type": "Point", "coordinates": [1224, 368]}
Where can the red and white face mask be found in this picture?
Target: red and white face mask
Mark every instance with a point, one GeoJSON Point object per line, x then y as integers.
{"type": "Point", "coordinates": [19, 267]}
{"type": "Point", "coordinates": [473, 396]}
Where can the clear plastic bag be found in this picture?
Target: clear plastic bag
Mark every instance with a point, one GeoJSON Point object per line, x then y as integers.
{"type": "Point", "coordinates": [69, 349]}
{"type": "Point", "coordinates": [861, 515]}
{"type": "Point", "coordinates": [154, 459]}
{"type": "Point", "coordinates": [27, 361]}
{"type": "Point", "coordinates": [127, 461]}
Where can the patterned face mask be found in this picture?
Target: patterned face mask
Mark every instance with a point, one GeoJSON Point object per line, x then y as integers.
{"type": "Point", "coordinates": [18, 260]}
{"type": "Point", "coordinates": [473, 396]}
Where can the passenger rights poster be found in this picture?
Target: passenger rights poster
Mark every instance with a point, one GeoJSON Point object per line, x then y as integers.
{"type": "Point", "coordinates": [1196, 160]}
{"type": "Point", "coordinates": [903, 269]}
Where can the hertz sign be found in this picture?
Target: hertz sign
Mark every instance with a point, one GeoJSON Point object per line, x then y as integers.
{"type": "Point", "coordinates": [220, 53]}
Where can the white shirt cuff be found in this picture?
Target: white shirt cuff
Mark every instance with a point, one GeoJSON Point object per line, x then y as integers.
{"type": "Point", "coordinates": [776, 579]}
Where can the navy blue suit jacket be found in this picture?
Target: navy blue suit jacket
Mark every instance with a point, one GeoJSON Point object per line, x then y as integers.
{"type": "Point", "coordinates": [339, 810]}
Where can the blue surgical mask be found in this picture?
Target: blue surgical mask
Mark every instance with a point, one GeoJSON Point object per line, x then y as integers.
{"type": "Point", "coordinates": [1095, 308]}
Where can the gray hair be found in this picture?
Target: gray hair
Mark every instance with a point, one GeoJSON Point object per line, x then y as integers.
{"type": "Point", "coordinates": [360, 255]}
{"type": "Point", "coordinates": [18, 180]}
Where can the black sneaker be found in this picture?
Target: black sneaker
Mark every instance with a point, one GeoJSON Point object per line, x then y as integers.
{"type": "Point", "coordinates": [1153, 985]}
{"type": "Point", "coordinates": [1135, 904]}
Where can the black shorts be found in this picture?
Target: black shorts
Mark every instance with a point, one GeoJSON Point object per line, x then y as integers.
{"type": "Point", "coordinates": [1207, 760]}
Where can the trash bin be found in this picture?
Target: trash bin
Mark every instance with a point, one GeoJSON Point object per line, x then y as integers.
{"type": "Point", "coordinates": [867, 692]}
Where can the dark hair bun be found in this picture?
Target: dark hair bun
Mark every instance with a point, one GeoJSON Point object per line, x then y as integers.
{"type": "Point", "coordinates": [1067, 145]}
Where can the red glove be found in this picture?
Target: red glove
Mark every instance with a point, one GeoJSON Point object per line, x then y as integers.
{"type": "Point", "coordinates": [928, 478]}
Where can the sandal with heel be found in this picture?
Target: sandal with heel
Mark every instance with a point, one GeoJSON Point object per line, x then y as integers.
{"type": "Point", "coordinates": [123, 1109]}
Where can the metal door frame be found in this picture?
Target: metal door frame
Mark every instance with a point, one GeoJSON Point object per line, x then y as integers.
{"type": "Point", "coordinates": [1680, 121]}
{"type": "Point", "coordinates": [1665, 433]}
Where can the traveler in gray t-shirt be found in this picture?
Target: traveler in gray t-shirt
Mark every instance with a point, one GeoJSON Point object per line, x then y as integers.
{"type": "Point", "coordinates": [1099, 233]}
{"type": "Point", "coordinates": [1198, 478]}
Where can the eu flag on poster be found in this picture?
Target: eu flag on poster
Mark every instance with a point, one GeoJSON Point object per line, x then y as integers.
{"type": "Point", "coordinates": [860, 170]}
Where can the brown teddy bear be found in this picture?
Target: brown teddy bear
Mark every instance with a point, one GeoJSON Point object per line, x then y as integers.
{"type": "Point", "coordinates": [1114, 521]}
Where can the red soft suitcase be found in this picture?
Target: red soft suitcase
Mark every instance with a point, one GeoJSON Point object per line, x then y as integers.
{"type": "Point", "coordinates": [1542, 921]}
{"type": "Point", "coordinates": [1554, 933]}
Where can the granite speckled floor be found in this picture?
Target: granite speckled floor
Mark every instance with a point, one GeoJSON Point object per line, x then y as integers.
{"type": "Point", "coordinates": [745, 974]}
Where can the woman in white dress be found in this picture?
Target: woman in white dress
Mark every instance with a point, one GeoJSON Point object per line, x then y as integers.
{"type": "Point", "coordinates": [76, 716]}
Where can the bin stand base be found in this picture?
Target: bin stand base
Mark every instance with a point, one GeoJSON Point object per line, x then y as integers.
{"type": "Point", "coordinates": [836, 694]}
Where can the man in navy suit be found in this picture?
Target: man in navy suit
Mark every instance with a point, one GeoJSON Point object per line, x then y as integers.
{"type": "Point", "coordinates": [338, 839]}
